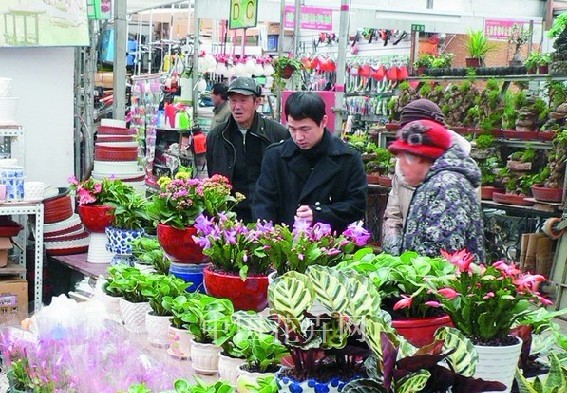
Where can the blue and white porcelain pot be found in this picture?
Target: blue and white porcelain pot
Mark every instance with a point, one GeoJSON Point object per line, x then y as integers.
{"type": "Point", "coordinates": [120, 243]}
{"type": "Point", "coordinates": [288, 384]}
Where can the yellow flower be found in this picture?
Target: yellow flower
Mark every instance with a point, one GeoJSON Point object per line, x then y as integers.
{"type": "Point", "coordinates": [164, 181]}
{"type": "Point", "coordinates": [183, 174]}
{"type": "Point", "coordinates": [240, 197]}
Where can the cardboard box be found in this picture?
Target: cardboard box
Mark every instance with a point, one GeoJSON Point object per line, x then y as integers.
{"type": "Point", "coordinates": [13, 301]}
{"type": "Point", "coordinates": [104, 79]}
{"type": "Point", "coordinates": [5, 247]}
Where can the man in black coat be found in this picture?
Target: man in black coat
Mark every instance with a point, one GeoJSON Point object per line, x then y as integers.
{"type": "Point", "coordinates": [314, 176]}
{"type": "Point", "coordinates": [235, 148]}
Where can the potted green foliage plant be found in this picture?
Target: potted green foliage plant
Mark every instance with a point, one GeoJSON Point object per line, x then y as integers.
{"type": "Point", "coordinates": [478, 47]}
{"type": "Point", "coordinates": [181, 314]}
{"type": "Point", "coordinates": [147, 251]}
{"type": "Point", "coordinates": [532, 62]}
{"type": "Point", "coordinates": [548, 183]}
{"type": "Point", "coordinates": [423, 63]}
{"type": "Point", "coordinates": [543, 63]}
{"type": "Point", "coordinates": [158, 318]}
{"type": "Point", "coordinates": [284, 68]}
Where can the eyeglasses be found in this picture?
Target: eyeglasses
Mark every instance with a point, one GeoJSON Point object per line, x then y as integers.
{"type": "Point", "coordinates": [415, 134]}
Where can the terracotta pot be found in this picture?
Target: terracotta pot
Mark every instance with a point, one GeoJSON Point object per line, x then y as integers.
{"type": "Point", "coordinates": [372, 178]}
{"type": "Point", "coordinates": [96, 217]}
{"type": "Point", "coordinates": [420, 331]}
{"type": "Point", "coordinates": [385, 181]}
{"type": "Point", "coordinates": [487, 191]}
{"type": "Point", "coordinates": [511, 199]}
{"type": "Point", "coordinates": [543, 69]}
{"type": "Point", "coordinates": [547, 194]}
{"type": "Point", "coordinates": [179, 245]}
{"type": "Point", "coordinates": [249, 294]}
{"type": "Point", "coordinates": [474, 62]}
{"type": "Point", "coordinates": [532, 70]}
{"type": "Point", "coordinates": [287, 72]}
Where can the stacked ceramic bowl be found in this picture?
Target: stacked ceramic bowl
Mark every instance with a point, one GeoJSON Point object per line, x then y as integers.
{"type": "Point", "coordinates": [116, 154]}
{"type": "Point", "coordinates": [8, 105]}
{"type": "Point", "coordinates": [63, 231]}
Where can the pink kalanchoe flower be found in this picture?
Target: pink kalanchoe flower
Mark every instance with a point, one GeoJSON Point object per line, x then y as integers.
{"type": "Point", "coordinates": [97, 189]}
{"type": "Point", "coordinates": [73, 180]}
{"type": "Point", "coordinates": [462, 259]}
{"type": "Point", "coordinates": [85, 197]}
{"type": "Point", "coordinates": [448, 293]}
{"type": "Point", "coordinates": [405, 302]}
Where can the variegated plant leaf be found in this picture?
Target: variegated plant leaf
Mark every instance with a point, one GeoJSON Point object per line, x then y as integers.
{"type": "Point", "coordinates": [252, 321]}
{"type": "Point", "coordinates": [464, 358]}
{"type": "Point", "coordinates": [330, 288]}
{"type": "Point", "coordinates": [365, 385]}
{"type": "Point", "coordinates": [412, 383]}
{"type": "Point", "coordinates": [290, 295]}
{"type": "Point", "coordinates": [364, 297]}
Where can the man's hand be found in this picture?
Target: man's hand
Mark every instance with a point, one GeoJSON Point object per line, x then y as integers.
{"type": "Point", "coordinates": [304, 213]}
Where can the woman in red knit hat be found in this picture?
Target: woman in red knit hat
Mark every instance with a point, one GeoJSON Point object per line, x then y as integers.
{"type": "Point", "coordinates": [444, 213]}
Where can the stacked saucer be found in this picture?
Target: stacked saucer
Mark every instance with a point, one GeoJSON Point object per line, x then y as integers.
{"type": "Point", "coordinates": [116, 154]}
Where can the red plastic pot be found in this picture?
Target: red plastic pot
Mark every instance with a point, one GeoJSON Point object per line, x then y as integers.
{"type": "Point", "coordinates": [249, 294]}
{"type": "Point", "coordinates": [420, 331]}
{"type": "Point", "coordinates": [487, 191]}
{"type": "Point", "coordinates": [96, 217]}
{"type": "Point", "coordinates": [179, 245]}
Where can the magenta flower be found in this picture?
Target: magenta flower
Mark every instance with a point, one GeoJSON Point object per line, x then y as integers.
{"type": "Point", "coordinates": [405, 302]}
{"type": "Point", "coordinates": [448, 293]}
{"type": "Point", "coordinates": [462, 259]}
{"type": "Point", "coordinates": [357, 233]}
{"type": "Point", "coordinates": [433, 304]}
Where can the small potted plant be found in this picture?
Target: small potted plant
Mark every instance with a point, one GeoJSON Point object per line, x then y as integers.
{"type": "Point", "coordinates": [158, 318]}
{"type": "Point", "coordinates": [532, 62]}
{"type": "Point", "coordinates": [178, 204]}
{"type": "Point", "coordinates": [484, 301]}
{"type": "Point", "coordinates": [284, 68]}
{"type": "Point", "coordinates": [239, 266]}
{"type": "Point", "coordinates": [179, 336]}
{"type": "Point", "coordinates": [422, 64]}
{"type": "Point", "coordinates": [478, 47]}
{"type": "Point", "coordinates": [130, 282]}
{"type": "Point", "coordinates": [543, 63]}
{"type": "Point", "coordinates": [298, 248]}
{"type": "Point", "coordinates": [403, 283]}
{"type": "Point", "coordinates": [147, 251]}
{"type": "Point", "coordinates": [548, 184]}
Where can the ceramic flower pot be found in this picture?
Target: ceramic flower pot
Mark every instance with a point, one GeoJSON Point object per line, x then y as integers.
{"type": "Point", "coordinates": [228, 368]}
{"type": "Point", "coordinates": [205, 357]}
{"type": "Point", "coordinates": [111, 305]}
{"type": "Point", "coordinates": [157, 328]}
{"type": "Point", "coordinates": [547, 194]}
{"type": "Point", "coordinates": [498, 363]}
{"type": "Point", "coordinates": [96, 217]}
{"type": "Point", "coordinates": [120, 242]}
{"type": "Point", "coordinates": [134, 315]}
{"type": "Point", "coordinates": [179, 245]}
{"type": "Point", "coordinates": [192, 273]}
{"type": "Point", "coordinates": [245, 378]}
{"type": "Point", "coordinates": [179, 341]}
{"type": "Point", "coordinates": [288, 384]}
{"type": "Point", "coordinates": [487, 191]}
{"type": "Point", "coordinates": [420, 331]}
{"type": "Point", "coordinates": [249, 294]}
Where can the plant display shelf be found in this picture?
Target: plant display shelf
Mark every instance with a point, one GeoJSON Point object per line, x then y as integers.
{"type": "Point", "coordinates": [507, 79]}
{"type": "Point", "coordinates": [24, 210]}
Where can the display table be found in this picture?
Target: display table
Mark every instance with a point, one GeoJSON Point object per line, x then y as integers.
{"type": "Point", "coordinates": [79, 263]}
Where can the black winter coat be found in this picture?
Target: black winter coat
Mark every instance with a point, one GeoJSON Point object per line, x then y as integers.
{"type": "Point", "coordinates": [221, 153]}
{"type": "Point", "coordinates": [335, 188]}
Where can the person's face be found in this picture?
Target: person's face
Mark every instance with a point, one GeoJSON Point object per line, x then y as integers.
{"type": "Point", "coordinates": [306, 133]}
{"type": "Point", "coordinates": [414, 168]}
{"type": "Point", "coordinates": [243, 108]}
{"type": "Point", "coordinates": [216, 99]}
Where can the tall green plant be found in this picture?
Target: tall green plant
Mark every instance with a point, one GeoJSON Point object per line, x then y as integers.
{"type": "Point", "coordinates": [477, 45]}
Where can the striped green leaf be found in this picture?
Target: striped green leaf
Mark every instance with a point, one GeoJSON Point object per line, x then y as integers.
{"type": "Point", "coordinates": [365, 385]}
{"type": "Point", "coordinates": [464, 359]}
{"type": "Point", "coordinates": [290, 295]}
{"type": "Point", "coordinates": [252, 321]}
{"type": "Point", "coordinates": [414, 382]}
{"type": "Point", "coordinates": [329, 287]}
{"type": "Point", "coordinates": [364, 297]}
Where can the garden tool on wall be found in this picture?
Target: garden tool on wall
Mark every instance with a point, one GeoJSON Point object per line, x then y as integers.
{"type": "Point", "coordinates": [401, 37]}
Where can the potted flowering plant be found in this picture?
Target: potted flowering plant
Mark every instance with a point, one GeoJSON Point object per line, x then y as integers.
{"type": "Point", "coordinates": [239, 267]}
{"type": "Point", "coordinates": [178, 204]}
{"type": "Point", "coordinates": [305, 245]}
{"type": "Point", "coordinates": [484, 301]}
{"type": "Point", "coordinates": [404, 284]}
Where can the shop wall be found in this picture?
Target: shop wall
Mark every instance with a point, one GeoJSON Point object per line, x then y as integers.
{"type": "Point", "coordinates": [43, 79]}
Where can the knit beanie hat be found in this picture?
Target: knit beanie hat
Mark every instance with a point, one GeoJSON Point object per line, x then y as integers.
{"type": "Point", "coordinates": [421, 109]}
{"type": "Point", "coordinates": [423, 138]}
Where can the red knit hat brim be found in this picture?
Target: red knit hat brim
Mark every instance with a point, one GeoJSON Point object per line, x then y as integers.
{"type": "Point", "coordinates": [401, 146]}
{"type": "Point", "coordinates": [438, 141]}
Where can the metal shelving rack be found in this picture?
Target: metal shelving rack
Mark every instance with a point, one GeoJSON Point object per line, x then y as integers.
{"type": "Point", "coordinates": [14, 137]}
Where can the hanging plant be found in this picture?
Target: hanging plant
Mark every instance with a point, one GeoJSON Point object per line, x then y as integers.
{"type": "Point", "coordinates": [284, 68]}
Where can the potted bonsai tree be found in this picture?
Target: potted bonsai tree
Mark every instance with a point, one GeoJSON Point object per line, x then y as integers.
{"type": "Point", "coordinates": [548, 184]}
{"type": "Point", "coordinates": [477, 46]}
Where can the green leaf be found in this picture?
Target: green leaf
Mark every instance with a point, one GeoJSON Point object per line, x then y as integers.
{"type": "Point", "coordinates": [291, 295]}
{"type": "Point", "coordinates": [413, 383]}
{"type": "Point", "coordinates": [366, 385]}
{"type": "Point", "coordinates": [463, 358]}
{"type": "Point", "coordinates": [329, 287]}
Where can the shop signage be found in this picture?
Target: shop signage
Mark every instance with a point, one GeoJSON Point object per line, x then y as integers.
{"type": "Point", "coordinates": [243, 14]}
{"type": "Point", "coordinates": [418, 28]}
{"type": "Point", "coordinates": [500, 29]}
{"type": "Point", "coordinates": [312, 18]}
